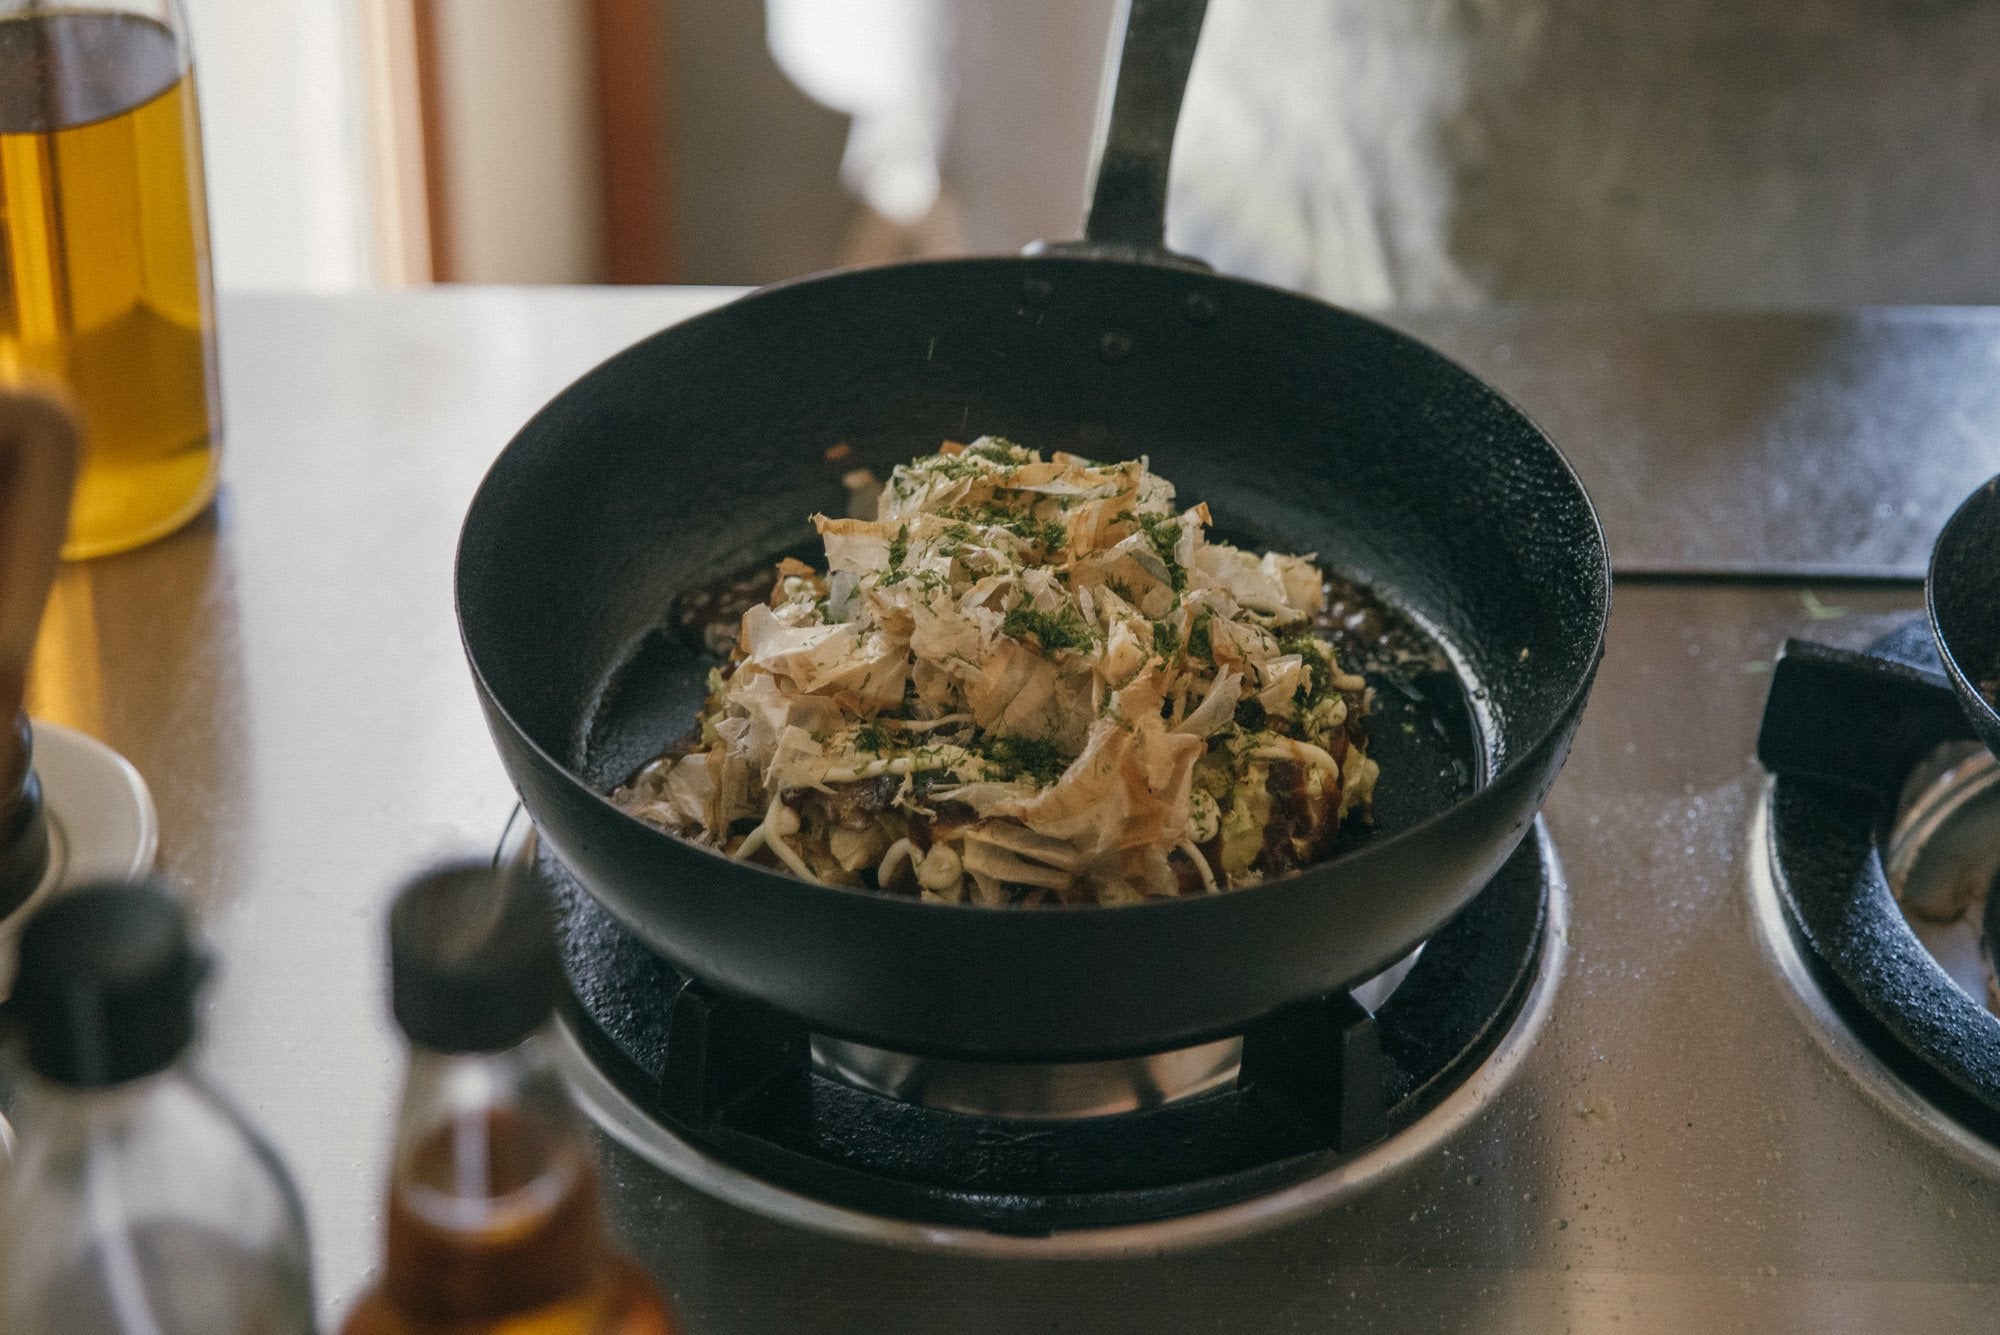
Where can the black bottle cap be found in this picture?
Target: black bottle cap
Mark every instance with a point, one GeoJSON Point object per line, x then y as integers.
{"type": "Point", "coordinates": [472, 958]}
{"type": "Point", "coordinates": [106, 985]}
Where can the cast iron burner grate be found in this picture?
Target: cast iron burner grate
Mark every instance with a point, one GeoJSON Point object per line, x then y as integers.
{"type": "Point", "coordinates": [1319, 1083]}
{"type": "Point", "coordinates": [1826, 844]}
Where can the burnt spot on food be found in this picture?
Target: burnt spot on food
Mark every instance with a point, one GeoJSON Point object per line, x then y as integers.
{"type": "Point", "coordinates": [1354, 732]}
{"type": "Point", "coordinates": [1369, 635]}
{"type": "Point", "coordinates": [1302, 822]}
{"type": "Point", "coordinates": [856, 806]}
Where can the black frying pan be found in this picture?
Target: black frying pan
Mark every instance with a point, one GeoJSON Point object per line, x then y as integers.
{"type": "Point", "coordinates": [1861, 721]}
{"type": "Point", "coordinates": [701, 451]}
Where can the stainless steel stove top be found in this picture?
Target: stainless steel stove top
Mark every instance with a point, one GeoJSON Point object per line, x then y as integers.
{"type": "Point", "coordinates": [1678, 1150]}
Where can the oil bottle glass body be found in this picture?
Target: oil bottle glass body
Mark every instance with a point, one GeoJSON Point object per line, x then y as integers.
{"type": "Point", "coordinates": [104, 255]}
{"type": "Point", "coordinates": [149, 1208]}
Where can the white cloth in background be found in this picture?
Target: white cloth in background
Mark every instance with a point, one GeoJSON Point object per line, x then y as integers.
{"type": "Point", "coordinates": [983, 108]}
{"type": "Point", "coordinates": [1717, 152]}
{"type": "Point", "coordinates": [283, 104]}
{"type": "Point", "coordinates": [886, 63]}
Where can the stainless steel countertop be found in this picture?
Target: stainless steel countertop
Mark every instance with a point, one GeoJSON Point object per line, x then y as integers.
{"type": "Point", "coordinates": [1676, 1153]}
{"type": "Point", "coordinates": [1835, 444]}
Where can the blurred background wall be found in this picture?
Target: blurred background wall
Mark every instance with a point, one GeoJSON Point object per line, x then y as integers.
{"type": "Point", "coordinates": [1414, 152]}
{"type": "Point", "coordinates": [517, 152]}
{"type": "Point", "coordinates": [756, 163]}
{"type": "Point", "coordinates": [383, 142]}
{"type": "Point", "coordinates": [291, 200]}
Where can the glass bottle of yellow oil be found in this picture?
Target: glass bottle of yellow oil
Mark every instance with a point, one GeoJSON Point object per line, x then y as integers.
{"type": "Point", "coordinates": [104, 274]}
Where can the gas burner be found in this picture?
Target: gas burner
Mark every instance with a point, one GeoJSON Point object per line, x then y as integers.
{"type": "Point", "coordinates": [1131, 1154]}
{"type": "Point", "coordinates": [1059, 1091]}
{"type": "Point", "coordinates": [1877, 916]}
{"type": "Point", "coordinates": [1028, 1091]}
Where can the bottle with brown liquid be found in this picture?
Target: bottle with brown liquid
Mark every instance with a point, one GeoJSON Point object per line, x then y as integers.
{"type": "Point", "coordinates": [104, 272]}
{"type": "Point", "coordinates": [493, 1220]}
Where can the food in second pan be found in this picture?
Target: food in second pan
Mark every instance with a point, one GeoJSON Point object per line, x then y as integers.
{"type": "Point", "coordinates": [1025, 681]}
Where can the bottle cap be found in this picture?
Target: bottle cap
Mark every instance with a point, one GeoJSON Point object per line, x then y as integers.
{"type": "Point", "coordinates": [106, 984]}
{"type": "Point", "coordinates": [472, 958]}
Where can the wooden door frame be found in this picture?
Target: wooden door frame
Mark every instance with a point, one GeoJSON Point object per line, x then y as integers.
{"type": "Point", "coordinates": [410, 147]}
{"type": "Point", "coordinates": [635, 148]}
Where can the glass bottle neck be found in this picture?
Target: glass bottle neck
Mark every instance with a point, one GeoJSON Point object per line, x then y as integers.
{"type": "Point", "coordinates": [493, 1206]}
{"type": "Point", "coordinates": [449, 1089]}
{"type": "Point", "coordinates": [77, 1114]}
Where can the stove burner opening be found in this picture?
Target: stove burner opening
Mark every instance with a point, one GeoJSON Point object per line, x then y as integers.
{"type": "Point", "coordinates": [1060, 1090]}
{"type": "Point", "coordinates": [1029, 1090]}
{"type": "Point", "coordinates": [1942, 858]}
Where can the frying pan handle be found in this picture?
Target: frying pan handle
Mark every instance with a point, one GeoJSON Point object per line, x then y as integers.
{"type": "Point", "coordinates": [1128, 212]}
{"type": "Point", "coordinates": [1853, 719]}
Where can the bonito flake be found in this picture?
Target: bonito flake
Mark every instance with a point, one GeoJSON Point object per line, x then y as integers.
{"type": "Point", "coordinates": [1027, 680]}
